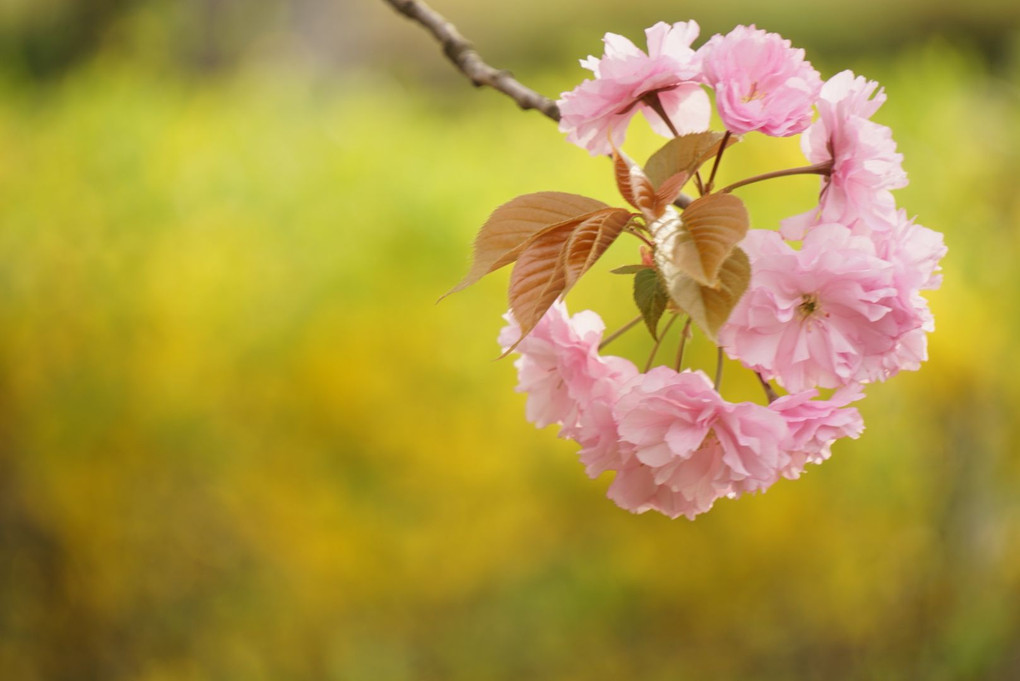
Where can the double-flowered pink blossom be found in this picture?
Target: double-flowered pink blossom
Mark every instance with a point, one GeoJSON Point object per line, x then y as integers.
{"type": "Point", "coordinates": [691, 447]}
{"type": "Point", "coordinates": [865, 163]}
{"type": "Point", "coordinates": [842, 309]}
{"type": "Point", "coordinates": [814, 425]}
{"type": "Point", "coordinates": [825, 316]}
{"type": "Point", "coordinates": [761, 82]}
{"type": "Point", "coordinates": [560, 367]}
{"type": "Point", "coordinates": [625, 78]}
{"type": "Point", "coordinates": [675, 445]}
{"type": "Point", "coordinates": [915, 251]}
{"type": "Point", "coordinates": [570, 384]}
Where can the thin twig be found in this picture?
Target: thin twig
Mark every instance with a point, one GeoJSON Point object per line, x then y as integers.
{"type": "Point", "coordinates": [823, 168]}
{"type": "Point", "coordinates": [718, 369]}
{"type": "Point", "coordinates": [653, 101]}
{"type": "Point", "coordinates": [465, 57]}
{"type": "Point", "coordinates": [684, 335]}
{"type": "Point", "coordinates": [770, 394]}
{"type": "Point", "coordinates": [619, 332]}
{"type": "Point", "coordinates": [718, 157]}
{"type": "Point", "coordinates": [463, 54]}
{"type": "Point", "coordinates": [631, 230]}
{"type": "Point", "coordinates": [658, 342]}
{"type": "Point", "coordinates": [698, 183]}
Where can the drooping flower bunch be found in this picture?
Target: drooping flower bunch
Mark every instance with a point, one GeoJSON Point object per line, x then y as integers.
{"type": "Point", "coordinates": [831, 300]}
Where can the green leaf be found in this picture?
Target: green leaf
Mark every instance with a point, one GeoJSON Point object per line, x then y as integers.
{"type": "Point", "coordinates": [651, 298]}
{"type": "Point", "coordinates": [710, 306]}
{"type": "Point", "coordinates": [684, 154]}
{"type": "Point", "coordinates": [629, 269]}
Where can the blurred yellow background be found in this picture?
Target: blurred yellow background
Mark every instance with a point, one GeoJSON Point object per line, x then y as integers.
{"type": "Point", "coordinates": [239, 440]}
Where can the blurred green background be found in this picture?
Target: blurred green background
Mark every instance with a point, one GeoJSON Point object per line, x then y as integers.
{"type": "Point", "coordinates": [238, 439]}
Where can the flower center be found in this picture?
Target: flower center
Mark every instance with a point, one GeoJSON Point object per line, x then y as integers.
{"type": "Point", "coordinates": [754, 93]}
{"type": "Point", "coordinates": [808, 305]}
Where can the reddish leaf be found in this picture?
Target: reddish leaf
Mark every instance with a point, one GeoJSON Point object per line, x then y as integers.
{"type": "Point", "coordinates": [714, 225]}
{"type": "Point", "coordinates": [621, 169]}
{"type": "Point", "coordinates": [539, 277]}
{"type": "Point", "coordinates": [684, 154]}
{"type": "Point", "coordinates": [709, 306]}
{"type": "Point", "coordinates": [669, 190]}
{"type": "Point", "coordinates": [635, 188]}
{"type": "Point", "coordinates": [554, 259]}
{"type": "Point", "coordinates": [590, 240]}
{"type": "Point", "coordinates": [510, 227]}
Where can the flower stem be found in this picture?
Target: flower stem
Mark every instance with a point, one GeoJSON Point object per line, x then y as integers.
{"type": "Point", "coordinates": [823, 168]}
{"type": "Point", "coordinates": [770, 394]}
{"type": "Point", "coordinates": [718, 369]}
{"type": "Point", "coordinates": [619, 332]}
{"type": "Point", "coordinates": [718, 157]}
{"type": "Point", "coordinates": [684, 335]}
{"type": "Point", "coordinates": [632, 230]}
{"type": "Point", "coordinates": [652, 100]}
{"type": "Point", "coordinates": [658, 342]}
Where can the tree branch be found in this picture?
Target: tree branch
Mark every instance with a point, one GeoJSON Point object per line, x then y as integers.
{"type": "Point", "coordinates": [464, 56]}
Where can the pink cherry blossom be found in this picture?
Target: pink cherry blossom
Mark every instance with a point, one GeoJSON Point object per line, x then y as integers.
{"type": "Point", "coordinates": [914, 250]}
{"type": "Point", "coordinates": [825, 316]}
{"type": "Point", "coordinates": [842, 309]}
{"type": "Point", "coordinates": [865, 163]}
{"type": "Point", "coordinates": [599, 110]}
{"type": "Point", "coordinates": [761, 83]}
{"type": "Point", "coordinates": [689, 446]}
{"type": "Point", "coordinates": [814, 425]}
{"type": "Point", "coordinates": [915, 253]}
{"type": "Point", "coordinates": [912, 347]}
{"type": "Point", "coordinates": [559, 365]}
{"type": "Point", "coordinates": [570, 384]}
{"type": "Point", "coordinates": [596, 432]}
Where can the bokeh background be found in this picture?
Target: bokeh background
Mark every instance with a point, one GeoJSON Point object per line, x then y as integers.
{"type": "Point", "coordinates": [239, 439]}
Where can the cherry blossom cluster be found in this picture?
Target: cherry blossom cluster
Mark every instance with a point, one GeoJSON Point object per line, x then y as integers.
{"type": "Point", "coordinates": [833, 300]}
{"type": "Point", "coordinates": [676, 445]}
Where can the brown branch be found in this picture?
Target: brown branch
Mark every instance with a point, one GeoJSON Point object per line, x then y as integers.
{"type": "Point", "coordinates": [463, 54]}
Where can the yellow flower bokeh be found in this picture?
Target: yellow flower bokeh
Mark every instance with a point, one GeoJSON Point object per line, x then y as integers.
{"type": "Point", "coordinates": [239, 439]}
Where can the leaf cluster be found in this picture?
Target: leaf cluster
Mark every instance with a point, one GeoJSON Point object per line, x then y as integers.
{"type": "Point", "coordinates": [553, 238]}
